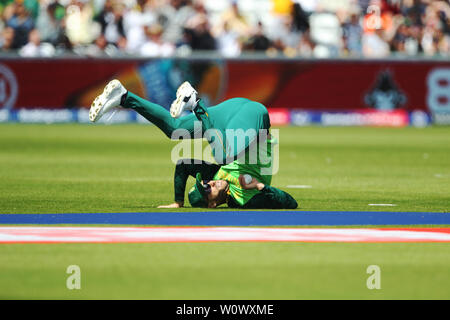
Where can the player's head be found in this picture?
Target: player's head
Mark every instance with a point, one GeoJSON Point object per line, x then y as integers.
{"type": "Point", "coordinates": [208, 194]}
{"type": "Point", "coordinates": [218, 194]}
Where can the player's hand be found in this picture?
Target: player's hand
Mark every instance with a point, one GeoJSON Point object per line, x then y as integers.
{"type": "Point", "coordinates": [247, 186]}
{"type": "Point", "coordinates": [172, 205]}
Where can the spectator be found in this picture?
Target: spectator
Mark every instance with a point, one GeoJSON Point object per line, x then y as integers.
{"type": "Point", "coordinates": [21, 22]}
{"type": "Point", "coordinates": [50, 24]}
{"type": "Point", "coordinates": [155, 46]}
{"type": "Point", "coordinates": [416, 11]}
{"type": "Point", "coordinates": [199, 15]}
{"type": "Point", "coordinates": [200, 38]}
{"type": "Point", "coordinates": [234, 21]}
{"type": "Point", "coordinates": [326, 32]}
{"type": "Point", "coordinates": [31, 49]}
{"type": "Point", "coordinates": [413, 45]}
{"type": "Point", "coordinates": [111, 21]}
{"type": "Point", "coordinates": [80, 28]}
{"type": "Point", "coordinates": [173, 17]}
{"type": "Point", "coordinates": [434, 40]}
{"type": "Point", "coordinates": [134, 21]}
{"type": "Point", "coordinates": [290, 29]}
{"type": "Point", "coordinates": [34, 47]}
{"type": "Point", "coordinates": [98, 48]}
{"type": "Point", "coordinates": [7, 39]}
{"type": "Point", "coordinates": [258, 41]}
{"type": "Point", "coordinates": [400, 38]}
{"type": "Point", "coordinates": [300, 18]}
{"type": "Point", "coordinates": [374, 46]}
{"type": "Point", "coordinates": [228, 42]}
{"type": "Point", "coordinates": [352, 33]}
{"type": "Point", "coordinates": [283, 34]}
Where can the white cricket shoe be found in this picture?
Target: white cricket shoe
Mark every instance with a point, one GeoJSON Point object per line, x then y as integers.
{"type": "Point", "coordinates": [110, 98]}
{"type": "Point", "coordinates": [186, 100]}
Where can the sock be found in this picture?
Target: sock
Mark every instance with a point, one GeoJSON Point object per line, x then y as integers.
{"type": "Point", "coordinates": [196, 108]}
{"type": "Point", "coordinates": [123, 98]}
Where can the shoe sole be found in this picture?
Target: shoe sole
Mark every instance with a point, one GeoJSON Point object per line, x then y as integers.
{"type": "Point", "coordinates": [177, 106]}
{"type": "Point", "coordinates": [99, 102]}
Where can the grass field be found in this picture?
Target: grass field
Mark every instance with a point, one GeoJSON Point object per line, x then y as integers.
{"type": "Point", "coordinates": [127, 168]}
{"type": "Point", "coordinates": [225, 271]}
{"type": "Point", "coordinates": [82, 168]}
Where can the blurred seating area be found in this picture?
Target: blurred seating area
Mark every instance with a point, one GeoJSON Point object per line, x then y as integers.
{"type": "Point", "coordinates": [229, 28]}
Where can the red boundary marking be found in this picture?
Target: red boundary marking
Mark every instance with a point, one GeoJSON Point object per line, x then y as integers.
{"type": "Point", "coordinates": [442, 230]}
{"type": "Point", "coordinates": [217, 234]}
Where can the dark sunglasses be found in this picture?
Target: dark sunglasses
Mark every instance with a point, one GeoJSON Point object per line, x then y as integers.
{"type": "Point", "coordinates": [206, 187]}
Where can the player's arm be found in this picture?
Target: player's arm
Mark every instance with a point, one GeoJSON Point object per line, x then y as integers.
{"type": "Point", "coordinates": [269, 197]}
{"type": "Point", "coordinates": [184, 169]}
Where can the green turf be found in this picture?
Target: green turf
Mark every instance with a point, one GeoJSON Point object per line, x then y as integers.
{"type": "Point", "coordinates": [225, 271]}
{"type": "Point", "coordinates": [128, 168]}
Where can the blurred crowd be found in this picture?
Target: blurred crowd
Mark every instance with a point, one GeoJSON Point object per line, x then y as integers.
{"type": "Point", "coordinates": [164, 28]}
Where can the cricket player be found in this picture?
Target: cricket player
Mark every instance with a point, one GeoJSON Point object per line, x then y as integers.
{"type": "Point", "coordinates": [237, 181]}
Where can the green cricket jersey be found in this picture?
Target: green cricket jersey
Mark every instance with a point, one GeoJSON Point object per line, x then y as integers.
{"type": "Point", "coordinates": [231, 172]}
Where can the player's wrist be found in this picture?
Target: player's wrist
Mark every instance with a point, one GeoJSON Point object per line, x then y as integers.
{"type": "Point", "coordinates": [260, 186]}
{"type": "Point", "coordinates": [180, 203]}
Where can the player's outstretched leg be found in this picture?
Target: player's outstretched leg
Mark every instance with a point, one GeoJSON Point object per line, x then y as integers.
{"type": "Point", "coordinates": [233, 114]}
{"type": "Point", "coordinates": [116, 95]}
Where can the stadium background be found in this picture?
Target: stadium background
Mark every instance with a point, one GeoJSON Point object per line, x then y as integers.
{"type": "Point", "coordinates": [346, 57]}
{"type": "Point", "coordinates": [318, 65]}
